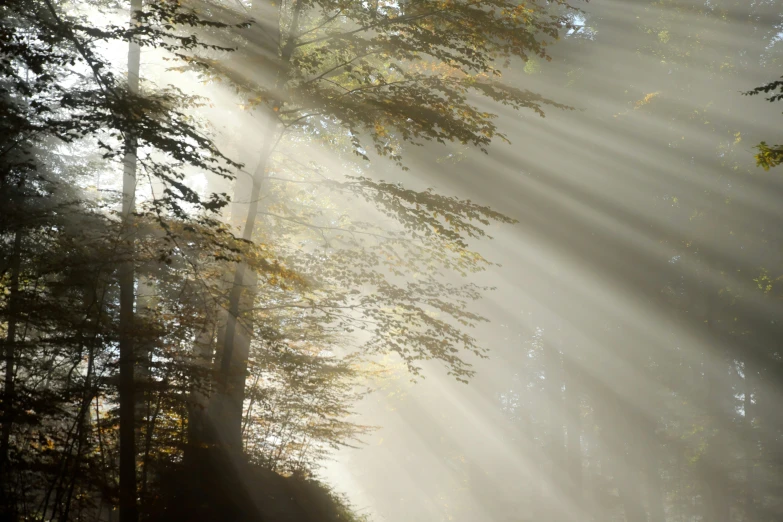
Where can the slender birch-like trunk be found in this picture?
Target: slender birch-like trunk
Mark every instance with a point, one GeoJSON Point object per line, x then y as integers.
{"type": "Point", "coordinates": [127, 392]}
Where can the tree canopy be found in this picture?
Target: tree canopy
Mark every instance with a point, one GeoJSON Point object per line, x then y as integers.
{"type": "Point", "coordinates": [130, 349]}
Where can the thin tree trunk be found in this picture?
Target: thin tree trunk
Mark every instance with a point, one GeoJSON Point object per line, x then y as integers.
{"type": "Point", "coordinates": [574, 488]}
{"type": "Point", "coordinates": [249, 411]}
{"type": "Point", "coordinates": [143, 379]}
{"type": "Point", "coordinates": [145, 302]}
{"type": "Point", "coordinates": [236, 344]}
{"type": "Point", "coordinates": [233, 369]}
{"type": "Point", "coordinates": [127, 392]}
{"type": "Point", "coordinates": [10, 362]}
{"type": "Point", "coordinates": [84, 424]}
{"type": "Point", "coordinates": [148, 438]}
{"type": "Point", "coordinates": [556, 451]}
{"type": "Point", "coordinates": [751, 446]}
{"type": "Point", "coordinates": [127, 397]}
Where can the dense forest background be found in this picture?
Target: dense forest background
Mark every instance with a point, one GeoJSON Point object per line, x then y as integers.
{"type": "Point", "coordinates": [320, 260]}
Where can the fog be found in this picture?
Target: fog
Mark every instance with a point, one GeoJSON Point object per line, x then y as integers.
{"type": "Point", "coordinates": [623, 361]}
{"type": "Point", "coordinates": [643, 228]}
{"type": "Point", "coordinates": [616, 376]}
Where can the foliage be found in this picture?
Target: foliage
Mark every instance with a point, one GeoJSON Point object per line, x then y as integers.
{"type": "Point", "coordinates": [396, 73]}
{"type": "Point", "coordinates": [332, 292]}
{"type": "Point", "coordinates": [769, 156]}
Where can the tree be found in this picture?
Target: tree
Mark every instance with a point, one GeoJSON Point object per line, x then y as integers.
{"type": "Point", "coordinates": [127, 384]}
{"type": "Point", "coordinates": [388, 75]}
{"type": "Point", "coordinates": [769, 156]}
{"type": "Point", "coordinates": [43, 48]}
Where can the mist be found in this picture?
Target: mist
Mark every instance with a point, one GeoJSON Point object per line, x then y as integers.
{"type": "Point", "coordinates": [401, 261]}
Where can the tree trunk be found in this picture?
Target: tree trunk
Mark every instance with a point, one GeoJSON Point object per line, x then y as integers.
{"type": "Point", "coordinates": [556, 451]}
{"type": "Point", "coordinates": [574, 482]}
{"type": "Point", "coordinates": [204, 354]}
{"type": "Point", "coordinates": [127, 393]}
{"type": "Point", "coordinates": [751, 445]}
{"type": "Point", "coordinates": [10, 362]}
{"type": "Point", "coordinates": [225, 409]}
{"type": "Point", "coordinates": [228, 401]}
{"type": "Point", "coordinates": [142, 373]}
{"type": "Point", "coordinates": [145, 304]}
